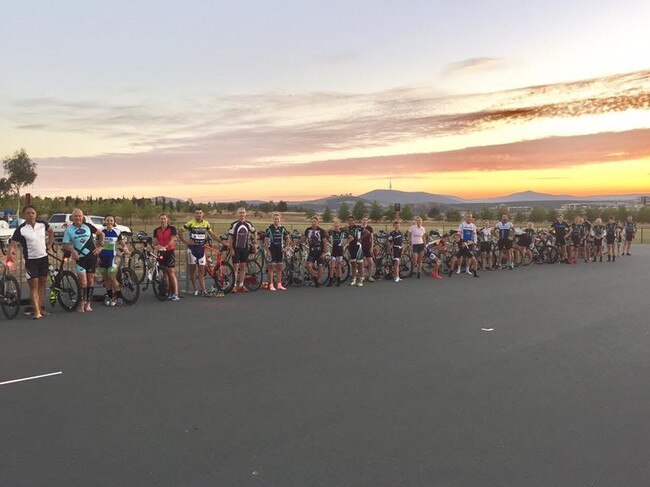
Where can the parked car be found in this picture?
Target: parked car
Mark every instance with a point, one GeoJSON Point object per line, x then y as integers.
{"type": "Point", "coordinates": [60, 221]}
{"type": "Point", "coordinates": [7, 229]}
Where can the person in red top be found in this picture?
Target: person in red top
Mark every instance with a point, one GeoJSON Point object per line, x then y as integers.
{"type": "Point", "coordinates": [164, 241]}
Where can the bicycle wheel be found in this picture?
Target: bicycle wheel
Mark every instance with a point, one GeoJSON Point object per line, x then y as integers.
{"type": "Point", "coordinates": [129, 284]}
{"type": "Point", "coordinates": [405, 266]}
{"type": "Point", "coordinates": [68, 285]}
{"type": "Point", "coordinates": [253, 277]}
{"type": "Point", "coordinates": [138, 264]}
{"type": "Point", "coordinates": [345, 269]}
{"type": "Point", "coordinates": [160, 285]}
{"type": "Point", "coordinates": [550, 255]}
{"type": "Point", "coordinates": [224, 278]}
{"type": "Point", "coordinates": [526, 257]}
{"type": "Point", "coordinates": [538, 254]}
{"type": "Point", "coordinates": [10, 297]}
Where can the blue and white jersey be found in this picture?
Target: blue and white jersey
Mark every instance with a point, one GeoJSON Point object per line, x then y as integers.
{"type": "Point", "coordinates": [81, 238]}
{"type": "Point", "coordinates": [111, 239]}
{"type": "Point", "coordinates": [504, 229]}
{"type": "Point", "coordinates": [468, 232]}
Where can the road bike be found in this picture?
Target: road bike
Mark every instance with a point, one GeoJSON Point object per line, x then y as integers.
{"type": "Point", "coordinates": [221, 272]}
{"type": "Point", "coordinates": [64, 284]}
{"type": "Point", "coordinates": [9, 291]}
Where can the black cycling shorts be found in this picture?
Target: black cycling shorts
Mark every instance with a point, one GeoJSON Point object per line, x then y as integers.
{"type": "Point", "coordinates": [560, 241]}
{"type": "Point", "coordinates": [611, 239]}
{"type": "Point", "coordinates": [629, 236]}
{"type": "Point", "coordinates": [366, 251]}
{"type": "Point", "coordinates": [167, 258]}
{"type": "Point", "coordinates": [277, 257]}
{"type": "Point", "coordinates": [240, 256]}
{"type": "Point", "coordinates": [417, 248]}
{"type": "Point", "coordinates": [505, 244]}
{"type": "Point", "coordinates": [88, 263]}
{"type": "Point", "coordinates": [314, 256]}
{"type": "Point", "coordinates": [35, 268]}
{"type": "Point", "coordinates": [397, 253]}
{"type": "Point", "coordinates": [598, 242]}
{"type": "Point", "coordinates": [485, 246]}
{"type": "Point", "coordinates": [356, 254]}
{"type": "Point", "coordinates": [464, 252]}
{"type": "Point", "coordinates": [576, 241]}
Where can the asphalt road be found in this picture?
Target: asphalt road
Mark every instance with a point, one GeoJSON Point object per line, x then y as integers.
{"type": "Point", "coordinates": [385, 385]}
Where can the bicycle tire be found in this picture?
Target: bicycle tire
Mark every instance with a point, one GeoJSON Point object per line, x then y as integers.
{"type": "Point", "coordinates": [138, 264]}
{"type": "Point", "coordinates": [551, 255]}
{"type": "Point", "coordinates": [253, 276]}
{"type": "Point", "coordinates": [345, 270]}
{"type": "Point", "coordinates": [69, 295]}
{"type": "Point", "coordinates": [10, 300]}
{"type": "Point", "coordinates": [129, 284]}
{"type": "Point", "coordinates": [405, 266]}
{"type": "Point", "coordinates": [224, 277]}
{"type": "Point", "coordinates": [160, 285]}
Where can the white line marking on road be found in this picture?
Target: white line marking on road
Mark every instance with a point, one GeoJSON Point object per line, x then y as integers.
{"type": "Point", "coordinates": [487, 329]}
{"type": "Point", "coordinates": [30, 378]}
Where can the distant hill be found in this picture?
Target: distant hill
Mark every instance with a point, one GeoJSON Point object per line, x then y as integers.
{"type": "Point", "coordinates": [389, 196]}
{"type": "Point", "coordinates": [532, 196]}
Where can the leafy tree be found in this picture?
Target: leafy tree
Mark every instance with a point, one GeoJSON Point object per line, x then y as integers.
{"type": "Point", "coordinates": [359, 210]}
{"type": "Point", "coordinates": [406, 214]}
{"type": "Point", "coordinates": [453, 216]}
{"type": "Point", "coordinates": [538, 215]}
{"type": "Point", "coordinates": [327, 215]}
{"type": "Point", "coordinates": [520, 217]}
{"type": "Point", "coordinates": [643, 216]}
{"type": "Point", "coordinates": [389, 213]}
{"type": "Point", "coordinates": [552, 215]}
{"type": "Point", "coordinates": [434, 212]}
{"type": "Point", "coordinates": [376, 211]}
{"type": "Point", "coordinates": [485, 213]}
{"type": "Point", "coordinates": [344, 212]}
{"type": "Point", "coordinates": [20, 171]}
{"type": "Point", "coordinates": [282, 206]}
{"type": "Point", "coordinates": [309, 212]}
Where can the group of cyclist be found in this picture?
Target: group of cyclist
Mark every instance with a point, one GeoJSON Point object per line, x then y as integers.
{"type": "Point", "coordinates": [95, 250]}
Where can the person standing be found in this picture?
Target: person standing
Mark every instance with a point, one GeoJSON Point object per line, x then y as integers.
{"type": "Point", "coordinates": [396, 237]}
{"type": "Point", "coordinates": [629, 228]}
{"type": "Point", "coordinates": [199, 231]}
{"type": "Point", "coordinates": [164, 241]}
{"type": "Point", "coordinates": [78, 240]}
{"type": "Point", "coordinates": [416, 235]}
{"type": "Point", "coordinates": [505, 229]}
{"type": "Point", "coordinates": [611, 233]}
{"type": "Point", "coordinates": [354, 233]}
{"type": "Point", "coordinates": [107, 262]}
{"type": "Point", "coordinates": [598, 231]}
{"type": "Point", "coordinates": [316, 239]}
{"type": "Point", "coordinates": [34, 236]}
{"type": "Point", "coordinates": [277, 239]}
{"type": "Point", "coordinates": [366, 249]}
{"type": "Point", "coordinates": [468, 233]}
{"type": "Point", "coordinates": [560, 228]}
{"type": "Point", "coordinates": [241, 234]}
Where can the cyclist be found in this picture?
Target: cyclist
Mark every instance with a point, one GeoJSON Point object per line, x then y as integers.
{"type": "Point", "coordinates": [107, 263]}
{"type": "Point", "coordinates": [485, 245]}
{"type": "Point", "coordinates": [619, 237]}
{"type": "Point", "coordinates": [366, 249]}
{"type": "Point", "coordinates": [416, 235]}
{"type": "Point", "coordinates": [630, 232]}
{"type": "Point", "coordinates": [560, 228]}
{"type": "Point", "coordinates": [468, 234]}
{"type": "Point", "coordinates": [577, 235]}
{"type": "Point", "coordinates": [598, 231]}
{"type": "Point", "coordinates": [338, 238]}
{"type": "Point", "coordinates": [505, 229]}
{"type": "Point", "coordinates": [277, 238]}
{"type": "Point", "coordinates": [524, 241]}
{"type": "Point", "coordinates": [397, 239]}
{"type": "Point", "coordinates": [611, 233]}
{"type": "Point", "coordinates": [164, 241]}
{"type": "Point", "coordinates": [316, 239]}
{"type": "Point", "coordinates": [587, 240]}
{"type": "Point", "coordinates": [240, 235]}
{"type": "Point", "coordinates": [199, 231]}
{"type": "Point", "coordinates": [436, 250]}
{"type": "Point", "coordinates": [355, 232]}
{"type": "Point", "coordinates": [34, 236]}
{"type": "Point", "coordinates": [78, 240]}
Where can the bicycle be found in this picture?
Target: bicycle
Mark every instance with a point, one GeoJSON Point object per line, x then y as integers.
{"type": "Point", "coordinates": [157, 277]}
{"type": "Point", "coordinates": [220, 271]}
{"type": "Point", "coordinates": [9, 291]}
{"type": "Point", "coordinates": [253, 275]}
{"type": "Point", "coordinates": [64, 287]}
{"type": "Point", "coordinates": [144, 259]}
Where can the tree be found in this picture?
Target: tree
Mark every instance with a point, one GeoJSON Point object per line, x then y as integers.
{"type": "Point", "coordinates": [538, 215]}
{"type": "Point", "coordinates": [552, 215]}
{"type": "Point", "coordinates": [359, 210]}
{"type": "Point", "coordinates": [520, 217]}
{"type": "Point", "coordinates": [453, 216]}
{"type": "Point", "coordinates": [20, 172]}
{"type": "Point", "coordinates": [309, 212]}
{"type": "Point", "coordinates": [327, 215]}
{"type": "Point", "coordinates": [407, 213]}
{"type": "Point", "coordinates": [389, 213]}
{"type": "Point", "coordinates": [344, 211]}
{"type": "Point", "coordinates": [434, 212]}
{"type": "Point", "coordinates": [282, 206]}
{"type": "Point", "coordinates": [376, 211]}
{"type": "Point", "coordinates": [485, 213]}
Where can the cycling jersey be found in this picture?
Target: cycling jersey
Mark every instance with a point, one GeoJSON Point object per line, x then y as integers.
{"type": "Point", "coordinates": [560, 228]}
{"type": "Point", "coordinates": [397, 237]}
{"type": "Point", "coordinates": [32, 239]}
{"type": "Point", "coordinates": [630, 227]}
{"type": "Point", "coordinates": [504, 229]}
{"type": "Point", "coordinates": [468, 232]}
{"type": "Point", "coordinates": [81, 238]}
{"type": "Point", "coordinates": [599, 232]}
{"type": "Point", "coordinates": [485, 234]}
{"type": "Point", "coordinates": [366, 237]}
{"type": "Point", "coordinates": [241, 233]}
{"type": "Point", "coordinates": [530, 232]}
{"type": "Point", "coordinates": [111, 239]}
{"type": "Point", "coordinates": [417, 235]}
{"type": "Point", "coordinates": [198, 232]}
{"type": "Point", "coordinates": [355, 232]}
{"type": "Point", "coordinates": [315, 237]}
{"type": "Point", "coordinates": [164, 237]}
{"type": "Point", "coordinates": [338, 238]}
{"type": "Point", "coordinates": [276, 236]}
{"type": "Point", "coordinates": [610, 229]}
{"type": "Point", "coordinates": [577, 230]}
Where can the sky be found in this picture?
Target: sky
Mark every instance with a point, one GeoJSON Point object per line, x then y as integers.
{"type": "Point", "coordinates": [218, 101]}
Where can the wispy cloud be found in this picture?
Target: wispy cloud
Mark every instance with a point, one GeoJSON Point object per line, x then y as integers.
{"type": "Point", "coordinates": [474, 65]}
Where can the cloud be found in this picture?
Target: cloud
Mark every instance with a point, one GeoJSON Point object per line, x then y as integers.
{"type": "Point", "coordinates": [474, 65]}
